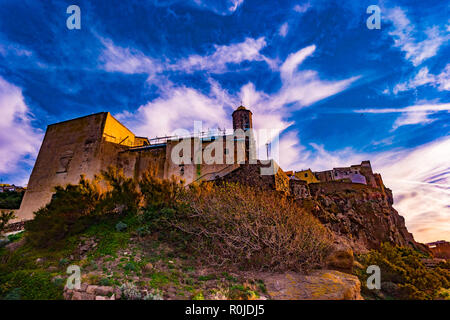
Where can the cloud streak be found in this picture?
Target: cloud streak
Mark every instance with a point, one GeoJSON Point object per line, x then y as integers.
{"type": "Point", "coordinates": [19, 140]}
{"type": "Point", "coordinates": [417, 114]}
{"type": "Point", "coordinates": [423, 77]}
{"type": "Point", "coordinates": [404, 34]}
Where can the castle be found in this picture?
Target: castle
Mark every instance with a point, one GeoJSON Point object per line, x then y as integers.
{"type": "Point", "coordinates": [91, 143]}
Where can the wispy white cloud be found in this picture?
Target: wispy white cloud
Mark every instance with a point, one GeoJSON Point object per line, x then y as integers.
{"type": "Point", "coordinates": [14, 49]}
{"type": "Point", "coordinates": [234, 5]}
{"type": "Point", "coordinates": [177, 108]}
{"type": "Point", "coordinates": [127, 60]}
{"type": "Point", "coordinates": [224, 7]}
{"type": "Point", "coordinates": [420, 180]}
{"type": "Point", "coordinates": [417, 114]}
{"type": "Point", "coordinates": [284, 29]}
{"type": "Point", "coordinates": [302, 8]}
{"type": "Point", "coordinates": [132, 61]}
{"type": "Point", "coordinates": [423, 77]}
{"type": "Point", "coordinates": [404, 34]}
{"type": "Point", "coordinates": [19, 140]}
{"type": "Point", "coordinates": [301, 88]}
{"type": "Point", "coordinates": [217, 62]}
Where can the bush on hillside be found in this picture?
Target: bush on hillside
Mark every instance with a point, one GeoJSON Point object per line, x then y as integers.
{"type": "Point", "coordinates": [29, 285]}
{"type": "Point", "coordinates": [122, 194]}
{"type": "Point", "coordinates": [11, 199]}
{"type": "Point", "coordinates": [160, 193]}
{"type": "Point", "coordinates": [403, 274]}
{"type": "Point", "coordinates": [253, 229]}
{"type": "Point", "coordinates": [73, 208]}
{"type": "Point", "coordinates": [226, 224]}
{"type": "Point", "coordinates": [70, 211]}
{"type": "Point", "coordinates": [5, 217]}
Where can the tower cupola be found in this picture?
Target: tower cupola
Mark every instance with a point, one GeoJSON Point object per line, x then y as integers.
{"type": "Point", "coordinates": [242, 119]}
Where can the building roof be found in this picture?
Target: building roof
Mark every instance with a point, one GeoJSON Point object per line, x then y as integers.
{"type": "Point", "coordinates": [241, 108]}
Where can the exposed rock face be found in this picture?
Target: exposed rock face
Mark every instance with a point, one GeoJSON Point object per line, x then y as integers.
{"type": "Point", "coordinates": [361, 217]}
{"type": "Point", "coordinates": [319, 285]}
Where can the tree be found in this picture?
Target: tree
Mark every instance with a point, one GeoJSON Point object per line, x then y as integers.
{"type": "Point", "coordinates": [5, 217]}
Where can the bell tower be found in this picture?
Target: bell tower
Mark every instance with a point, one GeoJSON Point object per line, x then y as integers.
{"type": "Point", "coordinates": [242, 119]}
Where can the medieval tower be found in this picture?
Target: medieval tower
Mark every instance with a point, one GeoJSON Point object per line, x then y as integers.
{"type": "Point", "coordinates": [242, 119]}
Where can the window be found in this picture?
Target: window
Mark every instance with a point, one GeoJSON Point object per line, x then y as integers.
{"type": "Point", "coordinates": [181, 169]}
{"type": "Point", "coordinates": [64, 162]}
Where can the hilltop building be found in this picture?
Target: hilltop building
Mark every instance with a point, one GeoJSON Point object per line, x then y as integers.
{"type": "Point", "coordinates": [306, 175]}
{"type": "Point", "coordinates": [11, 188]}
{"type": "Point", "coordinates": [91, 143]}
{"type": "Point", "coordinates": [361, 173]}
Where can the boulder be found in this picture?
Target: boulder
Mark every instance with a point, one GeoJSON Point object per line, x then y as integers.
{"type": "Point", "coordinates": [104, 291]}
{"type": "Point", "coordinates": [117, 293]}
{"type": "Point", "coordinates": [82, 296]}
{"type": "Point", "coordinates": [148, 267]}
{"type": "Point", "coordinates": [319, 285]}
{"type": "Point", "coordinates": [341, 259]}
{"type": "Point", "coordinates": [13, 246]}
{"type": "Point", "coordinates": [91, 289]}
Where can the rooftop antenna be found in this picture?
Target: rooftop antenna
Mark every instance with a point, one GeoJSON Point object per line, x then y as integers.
{"type": "Point", "coordinates": [267, 150]}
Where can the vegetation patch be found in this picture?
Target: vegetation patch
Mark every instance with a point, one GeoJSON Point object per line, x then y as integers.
{"type": "Point", "coordinates": [404, 275]}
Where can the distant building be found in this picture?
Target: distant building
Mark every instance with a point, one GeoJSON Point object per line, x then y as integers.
{"type": "Point", "coordinates": [306, 175]}
{"type": "Point", "coordinates": [361, 173]}
{"type": "Point", "coordinates": [10, 188]}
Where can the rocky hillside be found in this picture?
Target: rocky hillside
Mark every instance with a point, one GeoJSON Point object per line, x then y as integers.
{"type": "Point", "coordinates": [360, 216]}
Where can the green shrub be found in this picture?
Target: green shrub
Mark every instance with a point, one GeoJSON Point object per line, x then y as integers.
{"type": "Point", "coordinates": [15, 236]}
{"type": "Point", "coordinates": [106, 282]}
{"type": "Point", "coordinates": [30, 285]}
{"type": "Point", "coordinates": [122, 195]}
{"type": "Point", "coordinates": [14, 294]}
{"type": "Point", "coordinates": [5, 217]}
{"type": "Point", "coordinates": [70, 211]}
{"type": "Point", "coordinates": [404, 268]}
{"type": "Point", "coordinates": [130, 291]}
{"type": "Point", "coordinates": [120, 226]}
{"type": "Point", "coordinates": [160, 193]}
{"type": "Point", "coordinates": [11, 199]}
{"type": "Point", "coordinates": [153, 295]}
{"type": "Point", "coordinates": [130, 266]}
{"type": "Point", "coordinates": [74, 208]}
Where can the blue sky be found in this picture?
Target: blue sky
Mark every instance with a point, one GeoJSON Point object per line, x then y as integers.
{"type": "Point", "coordinates": [337, 92]}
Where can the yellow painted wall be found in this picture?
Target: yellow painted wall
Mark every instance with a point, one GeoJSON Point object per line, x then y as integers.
{"type": "Point", "coordinates": [116, 132]}
{"type": "Point", "coordinates": [307, 175]}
